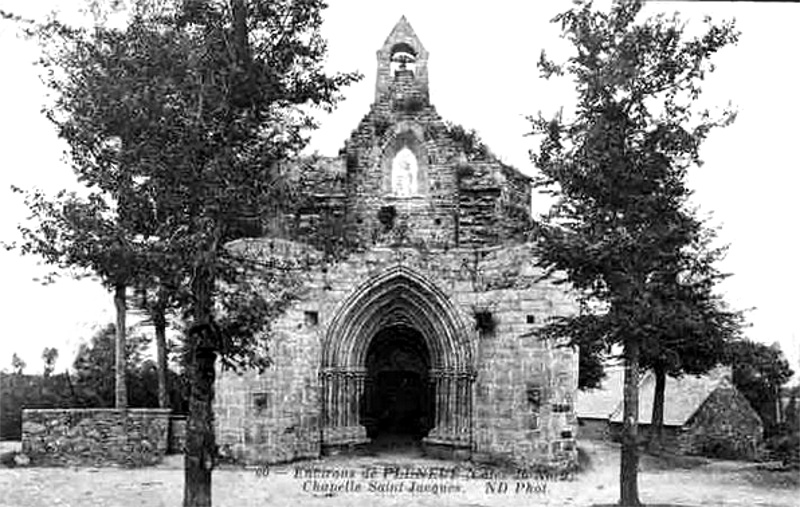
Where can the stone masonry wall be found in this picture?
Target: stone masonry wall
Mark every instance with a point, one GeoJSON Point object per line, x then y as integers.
{"type": "Point", "coordinates": [95, 437]}
{"type": "Point", "coordinates": [274, 416]}
{"type": "Point", "coordinates": [525, 388]}
{"type": "Point", "coordinates": [674, 439]}
{"type": "Point", "coordinates": [177, 435]}
{"type": "Point", "coordinates": [594, 429]}
{"type": "Point", "coordinates": [725, 426]}
{"type": "Point", "coordinates": [522, 397]}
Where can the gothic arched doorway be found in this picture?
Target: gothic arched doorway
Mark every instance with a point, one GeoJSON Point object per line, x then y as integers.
{"type": "Point", "coordinates": [397, 360]}
{"type": "Point", "coordinates": [397, 394]}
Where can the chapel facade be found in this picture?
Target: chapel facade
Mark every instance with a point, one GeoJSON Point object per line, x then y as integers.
{"type": "Point", "coordinates": [424, 328]}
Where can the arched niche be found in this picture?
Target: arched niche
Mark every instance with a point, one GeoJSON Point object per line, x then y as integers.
{"type": "Point", "coordinates": [405, 173]}
{"type": "Point", "coordinates": [404, 161]}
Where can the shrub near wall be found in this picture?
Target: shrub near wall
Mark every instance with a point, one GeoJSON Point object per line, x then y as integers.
{"type": "Point", "coordinates": [95, 437]}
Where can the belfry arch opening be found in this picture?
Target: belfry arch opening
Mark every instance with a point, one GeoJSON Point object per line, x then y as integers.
{"type": "Point", "coordinates": [397, 362]}
{"type": "Point", "coordinates": [403, 60]}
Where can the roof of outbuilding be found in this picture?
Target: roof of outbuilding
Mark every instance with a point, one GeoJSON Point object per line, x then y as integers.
{"type": "Point", "coordinates": [682, 396]}
{"type": "Point", "coordinates": [600, 403]}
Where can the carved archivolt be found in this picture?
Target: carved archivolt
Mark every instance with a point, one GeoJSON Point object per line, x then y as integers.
{"type": "Point", "coordinates": [397, 296]}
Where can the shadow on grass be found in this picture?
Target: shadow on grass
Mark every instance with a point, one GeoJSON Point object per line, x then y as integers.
{"type": "Point", "coordinates": [584, 460]}
{"type": "Point", "coordinates": [668, 461]}
{"type": "Point", "coordinates": [783, 479]}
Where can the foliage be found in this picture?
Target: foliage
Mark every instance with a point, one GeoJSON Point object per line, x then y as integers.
{"type": "Point", "coordinates": [91, 385]}
{"type": "Point", "coordinates": [469, 141]}
{"type": "Point", "coordinates": [183, 117]}
{"type": "Point", "coordinates": [17, 364]}
{"type": "Point", "coordinates": [49, 356]}
{"type": "Point", "coordinates": [622, 230]}
{"type": "Point", "coordinates": [167, 129]}
{"type": "Point", "coordinates": [18, 391]}
{"type": "Point", "coordinates": [784, 444]}
{"type": "Point", "coordinates": [94, 367]}
{"type": "Point", "coordinates": [759, 372]}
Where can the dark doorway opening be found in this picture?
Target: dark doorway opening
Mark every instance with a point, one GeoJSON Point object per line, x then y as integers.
{"type": "Point", "coordinates": [397, 408]}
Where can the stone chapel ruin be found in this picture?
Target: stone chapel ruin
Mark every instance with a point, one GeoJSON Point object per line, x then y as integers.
{"type": "Point", "coordinates": [423, 329]}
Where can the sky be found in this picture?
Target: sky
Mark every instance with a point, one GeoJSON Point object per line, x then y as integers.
{"type": "Point", "coordinates": [483, 75]}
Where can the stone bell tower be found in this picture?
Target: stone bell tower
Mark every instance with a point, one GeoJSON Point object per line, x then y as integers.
{"type": "Point", "coordinates": [402, 65]}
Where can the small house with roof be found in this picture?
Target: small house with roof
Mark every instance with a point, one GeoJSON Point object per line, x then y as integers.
{"type": "Point", "coordinates": [703, 415]}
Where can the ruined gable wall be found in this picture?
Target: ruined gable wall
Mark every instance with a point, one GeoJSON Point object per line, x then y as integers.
{"type": "Point", "coordinates": [725, 426]}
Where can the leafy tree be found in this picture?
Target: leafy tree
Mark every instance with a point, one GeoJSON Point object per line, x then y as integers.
{"type": "Point", "coordinates": [49, 356]}
{"type": "Point", "coordinates": [622, 230]}
{"type": "Point", "coordinates": [95, 361]}
{"type": "Point", "coordinates": [17, 364]}
{"type": "Point", "coordinates": [159, 297]}
{"type": "Point", "coordinates": [87, 233]}
{"type": "Point", "coordinates": [759, 372]}
{"type": "Point", "coordinates": [694, 344]}
{"type": "Point", "coordinates": [792, 414]}
{"type": "Point", "coordinates": [186, 113]}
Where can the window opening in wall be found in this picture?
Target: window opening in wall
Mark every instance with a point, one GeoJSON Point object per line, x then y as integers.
{"type": "Point", "coordinates": [484, 321]}
{"type": "Point", "coordinates": [533, 394]}
{"type": "Point", "coordinates": [386, 216]}
{"type": "Point", "coordinates": [560, 408]}
{"type": "Point", "coordinates": [530, 319]}
{"type": "Point", "coordinates": [312, 318]}
{"type": "Point", "coordinates": [260, 402]}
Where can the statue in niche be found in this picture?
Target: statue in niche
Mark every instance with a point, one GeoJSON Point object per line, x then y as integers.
{"type": "Point", "coordinates": [404, 173]}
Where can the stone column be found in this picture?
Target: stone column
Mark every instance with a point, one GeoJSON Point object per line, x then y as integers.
{"type": "Point", "coordinates": [449, 402]}
{"type": "Point", "coordinates": [342, 388]}
{"type": "Point", "coordinates": [440, 404]}
{"type": "Point", "coordinates": [453, 411]}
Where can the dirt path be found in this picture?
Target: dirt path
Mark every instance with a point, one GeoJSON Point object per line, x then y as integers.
{"type": "Point", "coordinates": [309, 483]}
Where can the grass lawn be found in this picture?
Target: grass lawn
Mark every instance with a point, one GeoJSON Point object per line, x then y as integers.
{"type": "Point", "coordinates": [662, 481]}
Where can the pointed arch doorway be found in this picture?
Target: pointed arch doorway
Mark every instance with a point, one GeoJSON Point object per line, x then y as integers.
{"type": "Point", "coordinates": [397, 404]}
{"type": "Point", "coordinates": [397, 361]}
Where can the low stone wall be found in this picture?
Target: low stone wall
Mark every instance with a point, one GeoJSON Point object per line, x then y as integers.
{"type": "Point", "coordinates": [95, 437]}
{"type": "Point", "coordinates": [674, 439]}
{"type": "Point", "coordinates": [593, 429]}
{"type": "Point", "coordinates": [177, 434]}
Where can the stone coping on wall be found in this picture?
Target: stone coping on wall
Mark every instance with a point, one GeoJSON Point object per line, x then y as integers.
{"type": "Point", "coordinates": [95, 436]}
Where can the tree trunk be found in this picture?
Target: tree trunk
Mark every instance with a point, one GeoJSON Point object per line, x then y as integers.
{"type": "Point", "coordinates": [75, 402]}
{"type": "Point", "coordinates": [242, 89]}
{"type": "Point", "coordinates": [657, 420]}
{"type": "Point", "coordinates": [629, 459]}
{"type": "Point", "coordinates": [120, 387]}
{"type": "Point", "coordinates": [160, 325]}
{"type": "Point", "coordinates": [240, 43]}
{"type": "Point", "coordinates": [200, 442]}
